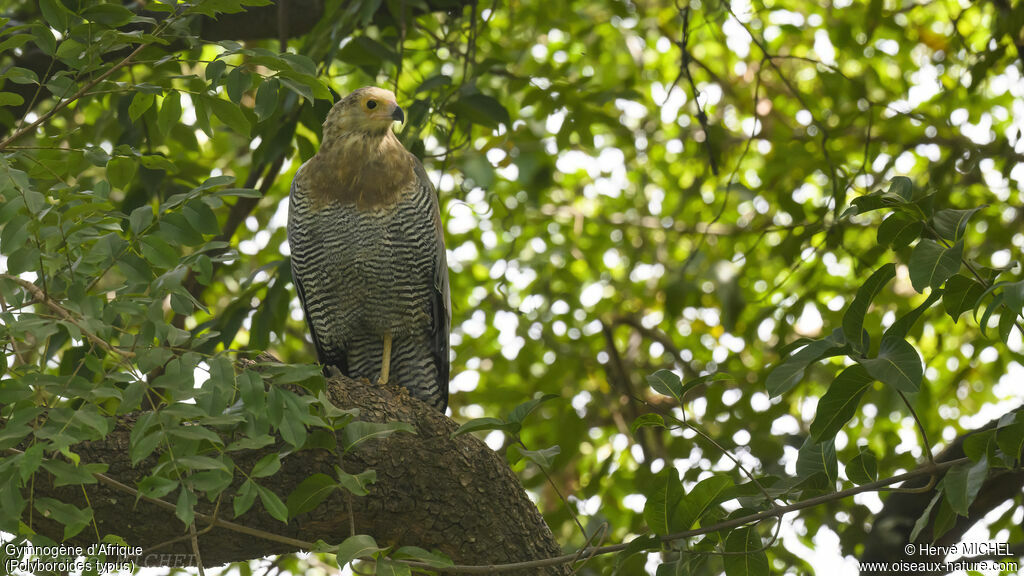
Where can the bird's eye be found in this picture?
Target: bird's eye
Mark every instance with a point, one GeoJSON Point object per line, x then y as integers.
{"type": "Point", "coordinates": [371, 104]}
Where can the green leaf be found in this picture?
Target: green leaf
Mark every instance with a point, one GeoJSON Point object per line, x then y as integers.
{"type": "Point", "coordinates": [544, 457]}
{"type": "Point", "coordinates": [214, 70]}
{"type": "Point", "coordinates": [853, 319]}
{"type": "Point", "coordinates": [310, 493]}
{"type": "Point", "coordinates": [662, 504]}
{"type": "Point", "coordinates": [945, 519]}
{"type": "Point", "coordinates": [922, 521]}
{"type": "Point", "coordinates": [931, 264]}
{"type": "Point", "coordinates": [157, 486]}
{"type": "Point", "coordinates": [481, 109]}
{"type": "Point", "coordinates": [251, 443]}
{"type": "Point", "coordinates": [252, 390]}
{"type": "Point", "coordinates": [434, 82]}
{"type": "Point", "coordinates": [140, 219]}
{"type": "Point", "coordinates": [898, 364]}
{"type": "Point", "coordinates": [877, 200]}
{"type": "Point", "coordinates": [55, 14]}
{"type": "Point", "coordinates": [745, 555]}
{"type": "Point", "coordinates": [787, 374]}
{"type": "Point", "coordinates": [109, 15]}
{"type": "Point", "coordinates": [67, 474]}
{"type": "Point", "coordinates": [159, 253]}
{"type": "Point", "coordinates": [899, 230]}
{"type": "Point", "coordinates": [237, 84]}
{"type": "Point", "coordinates": [211, 483]}
{"type": "Point", "coordinates": [980, 444]}
{"type": "Point", "coordinates": [818, 457]}
{"type": "Point", "coordinates": [694, 505]}
{"type": "Point", "coordinates": [273, 504]}
{"type": "Point", "coordinates": [649, 419]}
{"type": "Point", "coordinates": [266, 98]}
{"type": "Point", "coordinates": [120, 172]}
{"type": "Point", "coordinates": [202, 217]}
{"type": "Point", "coordinates": [642, 543]}
{"type": "Point", "coordinates": [903, 187]}
{"type": "Point", "coordinates": [960, 295]}
{"type": "Point", "coordinates": [141, 102]}
{"type": "Point", "coordinates": [667, 383]}
{"type": "Point", "coordinates": [358, 432]}
{"type": "Point", "coordinates": [20, 75]}
{"type": "Point", "coordinates": [520, 412]}
{"type": "Point", "coordinates": [863, 468]}
{"type": "Point", "coordinates": [15, 41]}
{"type": "Point", "coordinates": [901, 327]}
{"type": "Point", "coordinates": [229, 113]}
{"type": "Point", "coordinates": [239, 192]}
{"type": "Point", "coordinates": [962, 483]}
{"type": "Point", "coordinates": [293, 425]}
{"type": "Point", "coordinates": [266, 466]}
{"type": "Point", "coordinates": [365, 51]}
{"type": "Point", "coordinates": [222, 373]}
{"type": "Point", "coordinates": [951, 224]}
{"type": "Point", "coordinates": [840, 402]}
{"type": "Point", "coordinates": [11, 99]}
{"type": "Point", "coordinates": [73, 518]}
{"type": "Point", "coordinates": [434, 559]}
{"type": "Point", "coordinates": [388, 567]}
{"type": "Point", "coordinates": [1013, 296]}
{"type": "Point", "coordinates": [200, 462]}
{"type": "Point", "coordinates": [306, 85]}
{"type": "Point", "coordinates": [479, 424]}
{"type": "Point", "coordinates": [170, 112]}
{"type": "Point", "coordinates": [1007, 322]}
{"type": "Point", "coordinates": [1010, 434]}
{"type": "Point", "coordinates": [44, 39]}
{"type": "Point", "coordinates": [245, 497]}
{"type": "Point", "coordinates": [185, 507]}
{"type": "Point", "coordinates": [357, 484]}
{"type": "Point", "coordinates": [158, 162]}
{"type": "Point", "coordinates": [144, 445]}
{"type": "Point", "coordinates": [354, 547]}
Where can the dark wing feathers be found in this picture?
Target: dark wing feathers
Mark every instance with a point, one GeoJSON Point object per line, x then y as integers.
{"type": "Point", "coordinates": [339, 360]}
{"type": "Point", "coordinates": [441, 301]}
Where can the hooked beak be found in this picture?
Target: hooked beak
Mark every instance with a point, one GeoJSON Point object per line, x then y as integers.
{"type": "Point", "coordinates": [398, 114]}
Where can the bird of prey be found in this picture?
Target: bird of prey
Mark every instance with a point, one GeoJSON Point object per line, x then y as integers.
{"type": "Point", "coordinates": [367, 252]}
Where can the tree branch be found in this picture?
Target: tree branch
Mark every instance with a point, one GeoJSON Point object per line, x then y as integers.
{"type": "Point", "coordinates": [892, 526]}
{"type": "Point", "coordinates": [432, 491]}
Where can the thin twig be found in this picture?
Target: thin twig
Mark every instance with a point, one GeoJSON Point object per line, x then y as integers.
{"type": "Point", "coordinates": [684, 71]}
{"type": "Point", "coordinates": [39, 296]}
{"type": "Point", "coordinates": [81, 91]}
{"type": "Point", "coordinates": [195, 547]}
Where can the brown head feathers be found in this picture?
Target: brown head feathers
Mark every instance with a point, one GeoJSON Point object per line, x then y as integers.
{"type": "Point", "coordinates": [360, 160]}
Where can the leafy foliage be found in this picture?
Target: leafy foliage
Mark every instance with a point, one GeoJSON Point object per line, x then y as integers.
{"type": "Point", "coordinates": [697, 255]}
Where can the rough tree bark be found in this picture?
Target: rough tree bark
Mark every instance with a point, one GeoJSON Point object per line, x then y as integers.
{"type": "Point", "coordinates": [432, 491]}
{"type": "Point", "coordinates": [891, 527]}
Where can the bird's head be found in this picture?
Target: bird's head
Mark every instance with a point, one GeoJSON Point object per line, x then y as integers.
{"type": "Point", "coordinates": [368, 110]}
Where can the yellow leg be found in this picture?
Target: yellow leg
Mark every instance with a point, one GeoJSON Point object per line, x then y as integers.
{"type": "Point", "coordinates": [385, 368]}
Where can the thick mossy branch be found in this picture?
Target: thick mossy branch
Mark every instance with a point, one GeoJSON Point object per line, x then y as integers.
{"type": "Point", "coordinates": [432, 491]}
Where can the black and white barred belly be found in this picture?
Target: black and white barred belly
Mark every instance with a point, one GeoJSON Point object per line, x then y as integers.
{"type": "Point", "coordinates": [364, 273]}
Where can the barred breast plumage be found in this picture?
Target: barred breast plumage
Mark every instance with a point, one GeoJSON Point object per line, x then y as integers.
{"type": "Point", "coordinates": [368, 255]}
